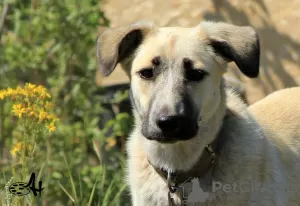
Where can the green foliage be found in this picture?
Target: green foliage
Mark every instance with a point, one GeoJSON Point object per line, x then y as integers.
{"type": "Point", "coordinates": [52, 43]}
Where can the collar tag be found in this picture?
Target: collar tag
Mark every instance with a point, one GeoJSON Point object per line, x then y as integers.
{"type": "Point", "coordinates": [210, 150]}
{"type": "Point", "coordinates": [171, 180]}
{"type": "Point", "coordinates": [173, 187]}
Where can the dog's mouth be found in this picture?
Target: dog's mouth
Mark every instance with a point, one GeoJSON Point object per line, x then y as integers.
{"type": "Point", "coordinates": [173, 137]}
{"type": "Point", "coordinates": [163, 141]}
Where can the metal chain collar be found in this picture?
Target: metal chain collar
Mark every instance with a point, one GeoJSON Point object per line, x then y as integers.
{"type": "Point", "coordinates": [171, 179]}
{"type": "Point", "coordinates": [173, 188]}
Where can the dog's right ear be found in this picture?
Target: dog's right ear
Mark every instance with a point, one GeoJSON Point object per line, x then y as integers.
{"type": "Point", "coordinates": [117, 44]}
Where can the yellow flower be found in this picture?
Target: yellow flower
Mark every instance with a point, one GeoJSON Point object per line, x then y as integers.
{"type": "Point", "coordinates": [28, 104]}
{"type": "Point", "coordinates": [45, 94]}
{"type": "Point", "coordinates": [10, 92]}
{"type": "Point", "coordinates": [42, 91]}
{"type": "Point", "coordinates": [43, 115]}
{"type": "Point", "coordinates": [21, 91]}
{"type": "Point", "coordinates": [2, 94]}
{"type": "Point", "coordinates": [16, 148]}
{"type": "Point", "coordinates": [29, 86]}
{"type": "Point", "coordinates": [51, 127]}
{"type": "Point", "coordinates": [18, 110]}
{"type": "Point", "coordinates": [39, 89]}
{"type": "Point", "coordinates": [111, 141]}
{"type": "Point", "coordinates": [52, 117]}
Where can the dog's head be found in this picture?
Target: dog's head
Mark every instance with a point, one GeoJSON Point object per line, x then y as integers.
{"type": "Point", "coordinates": [176, 73]}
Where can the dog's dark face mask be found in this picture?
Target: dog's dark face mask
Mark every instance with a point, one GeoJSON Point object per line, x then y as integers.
{"type": "Point", "coordinates": [171, 113]}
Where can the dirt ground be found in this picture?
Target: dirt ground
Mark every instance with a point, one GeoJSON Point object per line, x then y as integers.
{"type": "Point", "coordinates": [277, 23]}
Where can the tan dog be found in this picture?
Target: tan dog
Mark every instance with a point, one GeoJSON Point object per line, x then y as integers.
{"type": "Point", "coordinates": [190, 130]}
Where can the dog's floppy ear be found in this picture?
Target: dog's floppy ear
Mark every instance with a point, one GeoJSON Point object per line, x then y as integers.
{"type": "Point", "coordinates": [235, 43]}
{"type": "Point", "coordinates": [116, 44]}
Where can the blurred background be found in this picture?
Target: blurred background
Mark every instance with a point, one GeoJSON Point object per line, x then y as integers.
{"type": "Point", "coordinates": [52, 43]}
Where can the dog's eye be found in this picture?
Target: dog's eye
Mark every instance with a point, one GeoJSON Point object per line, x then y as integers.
{"type": "Point", "coordinates": [146, 73]}
{"type": "Point", "coordinates": [195, 75]}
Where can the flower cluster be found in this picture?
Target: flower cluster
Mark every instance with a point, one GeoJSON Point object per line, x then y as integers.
{"type": "Point", "coordinates": [16, 148]}
{"type": "Point", "coordinates": [31, 102]}
{"type": "Point", "coordinates": [29, 90]}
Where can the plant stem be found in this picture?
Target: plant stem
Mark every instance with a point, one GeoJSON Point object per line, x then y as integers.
{"type": "Point", "coordinates": [2, 117]}
{"type": "Point", "coordinates": [3, 16]}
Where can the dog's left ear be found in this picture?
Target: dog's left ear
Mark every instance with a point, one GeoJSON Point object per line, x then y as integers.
{"type": "Point", "coordinates": [235, 43]}
{"type": "Point", "coordinates": [117, 44]}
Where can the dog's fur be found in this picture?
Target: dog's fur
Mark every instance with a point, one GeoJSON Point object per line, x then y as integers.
{"type": "Point", "coordinates": [260, 143]}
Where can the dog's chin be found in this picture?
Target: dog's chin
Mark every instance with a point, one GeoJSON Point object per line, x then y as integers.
{"type": "Point", "coordinates": [163, 141]}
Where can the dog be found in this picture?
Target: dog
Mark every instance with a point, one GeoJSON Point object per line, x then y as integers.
{"type": "Point", "coordinates": [189, 127]}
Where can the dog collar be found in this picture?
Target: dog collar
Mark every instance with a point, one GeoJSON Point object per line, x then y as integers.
{"type": "Point", "coordinates": [174, 179]}
{"type": "Point", "coordinates": [205, 162]}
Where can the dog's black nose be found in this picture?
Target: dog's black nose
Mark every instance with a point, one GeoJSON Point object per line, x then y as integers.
{"type": "Point", "coordinates": [169, 124]}
{"type": "Point", "coordinates": [176, 127]}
